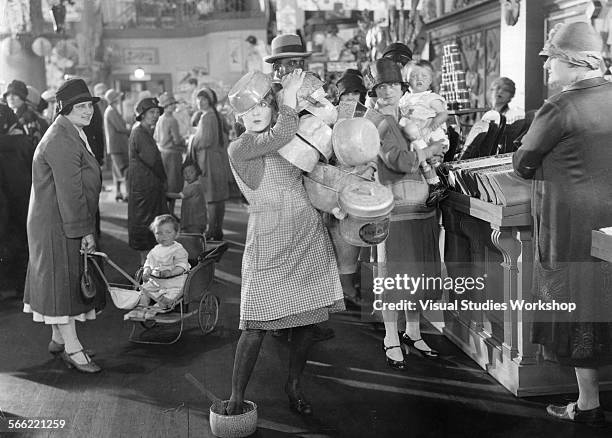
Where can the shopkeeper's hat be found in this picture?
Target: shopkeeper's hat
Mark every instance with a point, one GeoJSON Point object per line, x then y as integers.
{"type": "Point", "coordinates": [383, 71]}
{"type": "Point", "coordinates": [17, 88]}
{"type": "Point", "coordinates": [250, 89]}
{"type": "Point", "coordinates": [145, 105]}
{"type": "Point", "coordinates": [287, 46]}
{"type": "Point", "coordinates": [166, 99]}
{"type": "Point", "coordinates": [577, 43]}
{"type": "Point", "coordinates": [398, 52]}
{"type": "Point", "coordinates": [71, 92]}
{"type": "Point", "coordinates": [351, 80]}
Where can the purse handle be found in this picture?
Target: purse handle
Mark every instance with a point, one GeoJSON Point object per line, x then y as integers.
{"type": "Point", "coordinates": [85, 262]}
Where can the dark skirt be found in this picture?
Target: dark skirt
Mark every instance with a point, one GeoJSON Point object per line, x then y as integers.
{"type": "Point", "coordinates": [412, 250]}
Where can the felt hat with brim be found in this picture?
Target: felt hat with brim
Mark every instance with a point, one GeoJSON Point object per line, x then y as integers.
{"type": "Point", "coordinates": [112, 96]}
{"type": "Point", "coordinates": [383, 71]}
{"type": "Point", "coordinates": [145, 105]}
{"type": "Point", "coordinates": [577, 43]}
{"type": "Point", "coordinates": [18, 88]}
{"type": "Point", "coordinates": [73, 91]}
{"type": "Point", "coordinates": [166, 99]}
{"type": "Point", "coordinates": [287, 46]}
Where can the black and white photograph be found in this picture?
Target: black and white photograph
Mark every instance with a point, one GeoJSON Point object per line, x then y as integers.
{"type": "Point", "coordinates": [306, 218]}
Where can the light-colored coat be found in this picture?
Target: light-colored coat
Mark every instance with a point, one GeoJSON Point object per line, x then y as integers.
{"type": "Point", "coordinates": [66, 183]}
{"type": "Point", "coordinates": [117, 132]}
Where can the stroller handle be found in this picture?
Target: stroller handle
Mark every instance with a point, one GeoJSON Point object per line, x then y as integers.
{"type": "Point", "coordinates": [117, 267]}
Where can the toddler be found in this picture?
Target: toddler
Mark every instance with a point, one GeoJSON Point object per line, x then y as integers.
{"type": "Point", "coordinates": [166, 265]}
{"type": "Point", "coordinates": [423, 119]}
{"type": "Point", "coordinates": [193, 206]}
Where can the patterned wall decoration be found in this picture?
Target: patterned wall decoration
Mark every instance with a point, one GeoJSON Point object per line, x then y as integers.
{"type": "Point", "coordinates": [480, 56]}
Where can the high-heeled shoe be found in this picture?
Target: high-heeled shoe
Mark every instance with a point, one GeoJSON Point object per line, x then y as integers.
{"type": "Point", "coordinates": [298, 403]}
{"type": "Point", "coordinates": [395, 364]}
{"type": "Point", "coordinates": [409, 342]}
{"type": "Point", "coordinates": [56, 348]}
{"type": "Point", "coordinates": [89, 367]}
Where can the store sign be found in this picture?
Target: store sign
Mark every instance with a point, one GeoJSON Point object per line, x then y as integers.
{"type": "Point", "coordinates": [140, 56]}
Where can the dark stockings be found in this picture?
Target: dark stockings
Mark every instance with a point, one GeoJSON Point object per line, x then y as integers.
{"type": "Point", "coordinates": [216, 213]}
{"type": "Point", "coordinates": [247, 352]}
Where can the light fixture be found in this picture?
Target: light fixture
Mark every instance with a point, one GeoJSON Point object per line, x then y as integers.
{"type": "Point", "coordinates": [139, 73]}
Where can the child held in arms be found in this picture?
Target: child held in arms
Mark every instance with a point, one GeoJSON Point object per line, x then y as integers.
{"type": "Point", "coordinates": [424, 121]}
{"type": "Point", "coordinates": [166, 265]}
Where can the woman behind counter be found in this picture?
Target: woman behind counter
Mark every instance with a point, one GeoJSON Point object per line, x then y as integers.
{"type": "Point", "coordinates": [412, 246]}
{"type": "Point", "coordinates": [208, 150]}
{"type": "Point", "coordinates": [289, 274]}
{"type": "Point", "coordinates": [66, 183]}
{"type": "Point", "coordinates": [147, 183]}
{"type": "Point", "coordinates": [568, 155]}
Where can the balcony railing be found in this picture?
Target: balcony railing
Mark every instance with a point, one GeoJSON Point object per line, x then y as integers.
{"type": "Point", "coordinates": [176, 13]}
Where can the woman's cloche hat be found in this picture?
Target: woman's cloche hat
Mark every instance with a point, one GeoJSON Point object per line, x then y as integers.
{"type": "Point", "coordinates": [73, 91]}
{"type": "Point", "coordinates": [351, 81]}
{"type": "Point", "coordinates": [17, 88]}
{"type": "Point", "coordinates": [166, 99]}
{"type": "Point", "coordinates": [145, 105]}
{"type": "Point", "coordinates": [287, 46]}
{"type": "Point", "coordinates": [577, 43]}
{"type": "Point", "coordinates": [383, 71]}
{"type": "Point", "coordinates": [250, 89]}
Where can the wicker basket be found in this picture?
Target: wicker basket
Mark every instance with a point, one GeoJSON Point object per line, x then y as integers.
{"type": "Point", "coordinates": [233, 426]}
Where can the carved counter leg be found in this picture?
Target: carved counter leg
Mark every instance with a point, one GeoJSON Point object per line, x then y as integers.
{"type": "Point", "coordinates": [527, 350]}
{"type": "Point", "coordinates": [472, 228]}
{"type": "Point", "coordinates": [506, 240]}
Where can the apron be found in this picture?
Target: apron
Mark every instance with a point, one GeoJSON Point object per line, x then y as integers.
{"type": "Point", "coordinates": [288, 266]}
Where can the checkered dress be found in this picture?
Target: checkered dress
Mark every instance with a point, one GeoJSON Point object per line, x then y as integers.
{"type": "Point", "coordinates": [289, 273]}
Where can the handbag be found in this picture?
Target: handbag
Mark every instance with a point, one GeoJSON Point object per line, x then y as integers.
{"type": "Point", "coordinates": [88, 286]}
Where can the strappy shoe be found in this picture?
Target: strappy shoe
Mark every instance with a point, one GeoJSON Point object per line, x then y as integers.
{"type": "Point", "coordinates": [395, 364]}
{"type": "Point", "coordinates": [56, 348]}
{"type": "Point", "coordinates": [89, 367]}
{"type": "Point", "coordinates": [409, 342]}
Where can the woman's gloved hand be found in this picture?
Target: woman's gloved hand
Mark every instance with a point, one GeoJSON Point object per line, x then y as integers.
{"type": "Point", "coordinates": [88, 244]}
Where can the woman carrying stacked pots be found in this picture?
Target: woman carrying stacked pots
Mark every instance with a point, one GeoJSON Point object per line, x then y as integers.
{"type": "Point", "coordinates": [412, 246]}
{"type": "Point", "coordinates": [289, 274]}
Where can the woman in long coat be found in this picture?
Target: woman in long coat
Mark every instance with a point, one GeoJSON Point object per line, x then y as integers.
{"type": "Point", "coordinates": [568, 155]}
{"type": "Point", "coordinates": [209, 151]}
{"type": "Point", "coordinates": [66, 183]}
{"type": "Point", "coordinates": [117, 137]}
{"type": "Point", "coordinates": [147, 178]}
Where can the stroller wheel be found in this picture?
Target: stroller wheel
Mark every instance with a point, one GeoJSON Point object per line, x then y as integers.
{"type": "Point", "coordinates": [148, 324]}
{"type": "Point", "coordinates": [208, 313]}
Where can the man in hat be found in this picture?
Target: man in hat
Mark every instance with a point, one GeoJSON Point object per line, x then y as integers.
{"type": "Point", "coordinates": [171, 145]}
{"type": "Point", "coordinates": [288, 54]}
{"type": "Point", "coordinates": [15, 96]}
{"type": "Point", "coordinates": [117, 134]}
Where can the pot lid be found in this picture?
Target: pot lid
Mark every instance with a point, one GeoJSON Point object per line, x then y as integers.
{"type": "Point", "coordinates": [366, 199]}
{"type": "Point", "coordinates": [316, 133]}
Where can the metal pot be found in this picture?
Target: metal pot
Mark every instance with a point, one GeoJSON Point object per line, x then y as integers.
{"type": "Point", "coordinates": [300, 154]}
{"type": "Point", "coordinates": [355, 141]}
{"type": "Point", "coordinates": [324, 183]}
{"type": "Point", "coordinates": [316, 133]}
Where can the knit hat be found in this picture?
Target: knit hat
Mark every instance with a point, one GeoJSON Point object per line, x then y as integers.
{"type": "Point", "coordinates": [383, 71]}
{"type": "Point", "coordinates": [17, 88]}
{"type": "Point", "coordinates": [287, 46]}
{"type": "Point", "coordinates": [398, 52]}
{"type": "Point", "coordinates": [577, 43]}
{"type": "Point", "coordinates": [145, 105]}
{"type": "Point", "coordinates": [73, 91]}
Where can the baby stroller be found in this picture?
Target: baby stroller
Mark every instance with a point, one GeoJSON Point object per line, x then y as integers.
{"type": "Point", "coordinates": [195, 299]}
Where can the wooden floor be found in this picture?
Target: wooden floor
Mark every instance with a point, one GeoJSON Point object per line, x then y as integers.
{"type": "Point", "coordinates": [142, 390]}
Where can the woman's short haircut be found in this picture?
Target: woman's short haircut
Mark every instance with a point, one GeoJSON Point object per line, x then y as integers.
{"type": "Point", "coordinates": [165, 219]}
{"type": "Point", "coordinates": [505, 83]}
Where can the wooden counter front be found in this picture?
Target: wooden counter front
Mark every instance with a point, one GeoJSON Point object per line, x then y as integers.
{"type": "Point", "coordinates": [493, 241]}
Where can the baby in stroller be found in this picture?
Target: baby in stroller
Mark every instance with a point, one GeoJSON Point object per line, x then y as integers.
{"type": "Point", "coordinates": [164, 271]}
